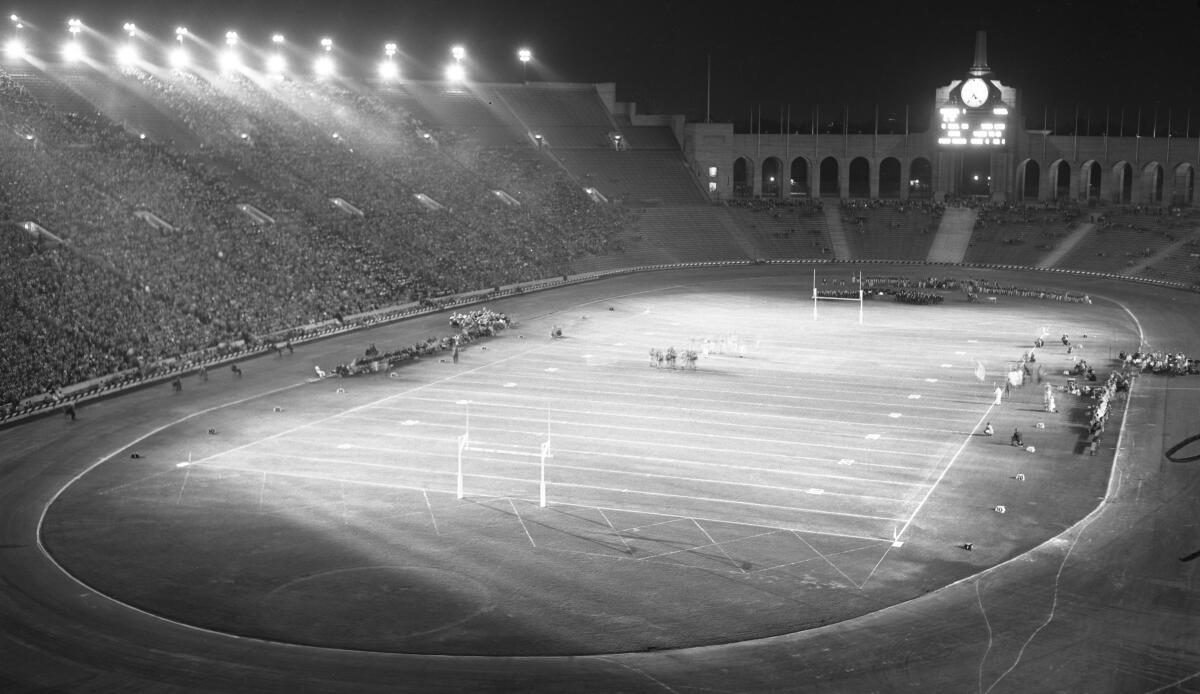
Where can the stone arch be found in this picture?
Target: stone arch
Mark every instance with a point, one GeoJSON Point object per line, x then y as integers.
{"type": "Point", "coordinates": [889, 178]}
{"type": "Point", "coordinates": [1122, 175]}
{"type": "Point", "coordinates": [798, 180]}
{"type": "Point", "coordinates": [1060, 180]}
{"type": "Point", "coordinates": [831, 185]}
{"type": "Point", "coordinates": [743, 178]}
{"type": "Point", "coordinates": [772, 178]}
{"type": "Point", "coordinates": [920, 178]}
{"type": "Point", "coordinates": [1183, 184]}
{"type": "Point", "coordinates": [1089, 180]}
{"type": "Point", "coordinates": [860, 178]}
{"type": "Point", "coordinates": [1152, 183]}
{"type": "Point", "coordinates": [1029, 180]}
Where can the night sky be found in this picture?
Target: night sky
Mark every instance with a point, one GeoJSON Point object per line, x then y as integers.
{"type": "Point", "coordinates": [768, 55]}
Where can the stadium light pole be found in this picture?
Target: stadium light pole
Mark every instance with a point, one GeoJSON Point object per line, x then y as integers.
{"type": "Point", "coordinates": [179, 56]}
{"type": "Point", "coordinates": [14, 49]}
{"type": "Point", "coordinates": [323, 65]}
{"type": "Point", "coordinates": [127, 54]}
{"type": "Point", "coordinates": [524, 55]}
{"type": "Point", "coordinates": [73, 51]}
{"type": "Point", "coordinates": [229, 60]}
{"type": "Point", "coordinates": [276, 62]}
{"type": "Point", "coordinates": [388, 69]}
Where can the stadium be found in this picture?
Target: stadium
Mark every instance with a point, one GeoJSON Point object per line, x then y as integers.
{"type": "Point", "coordinates": [333, 379]}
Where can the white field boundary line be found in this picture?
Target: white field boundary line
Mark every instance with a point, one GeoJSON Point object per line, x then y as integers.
{"type": "Point", "coordinates": [583, 388]}
{"type": "Point", "coordinates": [780, 379]}
{"type": "Point", "coordinates": [595, 453]}
{"type": "Point", "coordinates": [945, 470]}
{"type": "Point", "coordinates": [539, 404]}
{"type": "Point", "coordinates": [105, 458]}
{"type": "Point", "coordinates": [616, 491]}
{"type": "Point", "coordinates": [711, 543]}
{"type": "Point", "coordinates": [343, 463]}
{"type": "Point", "coordinates": [657, 434]}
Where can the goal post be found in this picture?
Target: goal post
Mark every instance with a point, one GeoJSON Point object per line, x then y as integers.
{"type": "Point", "coordinates": [816, 297]}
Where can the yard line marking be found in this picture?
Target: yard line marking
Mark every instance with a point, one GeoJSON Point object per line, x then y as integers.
{"type": "Point", "coordinates": [628, 549]}
{"type": "Point", "coordinates": [713, 543]}
{"type": "Point", "coordinates": [186, 475]}
{"type": "Point", "coordinates": [429, 506]}
{"type": "Point", "coordinates": [262, 491]}
{"type": "Point", "coordinates": [818, 553]}
{"type": "Point", "coordinates": [946, 469]}
{"type": "Point", "coordinates": [522, 521]}
{"type": "Point", "coordinates": [718, 545]}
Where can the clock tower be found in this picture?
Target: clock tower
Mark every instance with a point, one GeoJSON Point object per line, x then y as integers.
{"type": "Point", "coordinates": [973, 137]}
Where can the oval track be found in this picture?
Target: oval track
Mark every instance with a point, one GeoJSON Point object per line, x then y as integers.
{"type": "Point", "coordinates": [1105, 607]}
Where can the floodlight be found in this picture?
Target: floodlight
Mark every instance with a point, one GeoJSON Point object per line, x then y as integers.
{"type": "Point", "coordinates": [127, 54]}
{"type": "Point", "coordinates": [15, 49]}
{"type": "Point", "coordinates": [327, 44]}
{"type": "Point", "coordinates": [323, 66]}
{"type": "Point", "coordinates": [229, 60]}
{"type": "Point", "coordinates": [231, 38]}
{"type": "Point", "coordinates": [276, 64]}
{"type": "Point", "coordinates": [525, 55]}
{"type": "Point", "coordinates": [179, 58]}
{"type": "Point", "coordinates": [130, 28]}
{"type": "Point", "coordinates": [72, 52]}
{"type": "Point", "coordinates": [389, 49]}
{"type": "Point", "coordinates": [74, 26]}
{"type": "Point", "coordinates": [277, 38]}
{"type": "Point", "coordinates": [456, 73]}
{"type": "Point", "coordinates": [458, 52]}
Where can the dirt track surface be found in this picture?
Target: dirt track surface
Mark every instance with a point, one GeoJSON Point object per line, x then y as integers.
{"type": "Point", "coordinates": [1106, 606]}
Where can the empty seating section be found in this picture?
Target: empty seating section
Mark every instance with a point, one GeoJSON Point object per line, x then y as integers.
{"type": "Point", "coordinates": [785, 231]}
{"type": "Point", "coordinates": [646, 137]}
{"type": "Point", "coordinates": [545, 106]}
{"type": "Point", "coordinates": [878, 230]}
{"type": "Point", "coordinates": [1127, 239]}
{"type": "Point", "coordinates": [635, 177]}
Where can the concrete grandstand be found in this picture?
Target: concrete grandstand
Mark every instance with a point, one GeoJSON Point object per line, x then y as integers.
{"type": "Point", "coordinates": [162, 224]}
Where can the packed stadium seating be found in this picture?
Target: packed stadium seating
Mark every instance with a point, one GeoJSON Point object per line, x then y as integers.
{"type": "Point", "coordinates": [154, 216]}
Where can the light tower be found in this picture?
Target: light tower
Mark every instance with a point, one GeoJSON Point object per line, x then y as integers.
{"type": "Point", "coordinates": [524, 55]}
{"type": "Point", "coordinates": [14, 49]}
{"type": "Point", "coordinates": [323, 65]}
{"type": "Point", "coordinates": [388, 70]}
{"type": "Point", "coordinates": [230, 60]}
{"type": "Point", "coordinates": [276, 62]}
{"type": "Point", "coordinates": [73, 51]}
{"type": "Point", "coordinates": [455, 72]}
{"type": "Point", "coordinates": [179, 57]}
{"type": "Point", "coordinates": [127, 53]}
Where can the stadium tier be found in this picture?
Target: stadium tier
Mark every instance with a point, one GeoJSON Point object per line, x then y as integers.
{"type": "Point", "coordinates": [154, 215]}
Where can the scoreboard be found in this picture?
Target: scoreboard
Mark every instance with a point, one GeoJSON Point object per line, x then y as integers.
{"type": "Point", "coordinates": [974, 115]}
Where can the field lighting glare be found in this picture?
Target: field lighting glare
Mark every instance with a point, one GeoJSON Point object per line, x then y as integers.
{"type": "Point", "coordinates": [323, 66]}
{"type": "Point", "coordinates": [130, 28]}
{"type": "Point", "coordinates": [179, 58]}
{"type": "Point", "coordinates": [459, 53]}
{"type": "Point", "coordinates": [388, 70]}
{"type": "Point", "coordinates": [277, 38]}
{"type": "Point", "coordinates": [327, 44]}
{"type": "Point", "coordinates": [276, 64]}
{"type": "Point", "coordinates": [229, 60]}
{"type": "Point", "coordinates": [15, 49]}
{"type": "Point", "coordinates": [455, 73]}
{"type": "Point", "coordinates": [127, 55]}
{"type": "Point", "coordinates": [73, 52]}
{"type": "Point", "coordinates": [525, 55]}
{"type": "Point", "coordinates": [231, 38]}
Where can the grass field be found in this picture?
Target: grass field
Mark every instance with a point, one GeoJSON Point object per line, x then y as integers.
{"type": "Point", "coordinates": [807, 471]}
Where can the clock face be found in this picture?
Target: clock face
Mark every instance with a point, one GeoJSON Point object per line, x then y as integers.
{"type": "Point", "coordinates": [974, 92]}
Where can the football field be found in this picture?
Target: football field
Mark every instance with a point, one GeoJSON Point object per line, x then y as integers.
{"type": "Point", "coordinates": [806, 470]}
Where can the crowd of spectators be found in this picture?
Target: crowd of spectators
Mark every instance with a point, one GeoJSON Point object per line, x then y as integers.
{"type": "Point", "coordinates": [158, 258]}
{"type": "Point", "coordinates": [1173, 363]}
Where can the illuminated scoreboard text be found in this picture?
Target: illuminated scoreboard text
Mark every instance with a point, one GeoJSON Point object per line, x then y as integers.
{"type": "Point", "coordinates": [968, 127]}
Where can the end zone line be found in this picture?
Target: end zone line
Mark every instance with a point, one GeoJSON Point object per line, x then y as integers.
{"type": "Point", "coordinates": [946, 469]}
